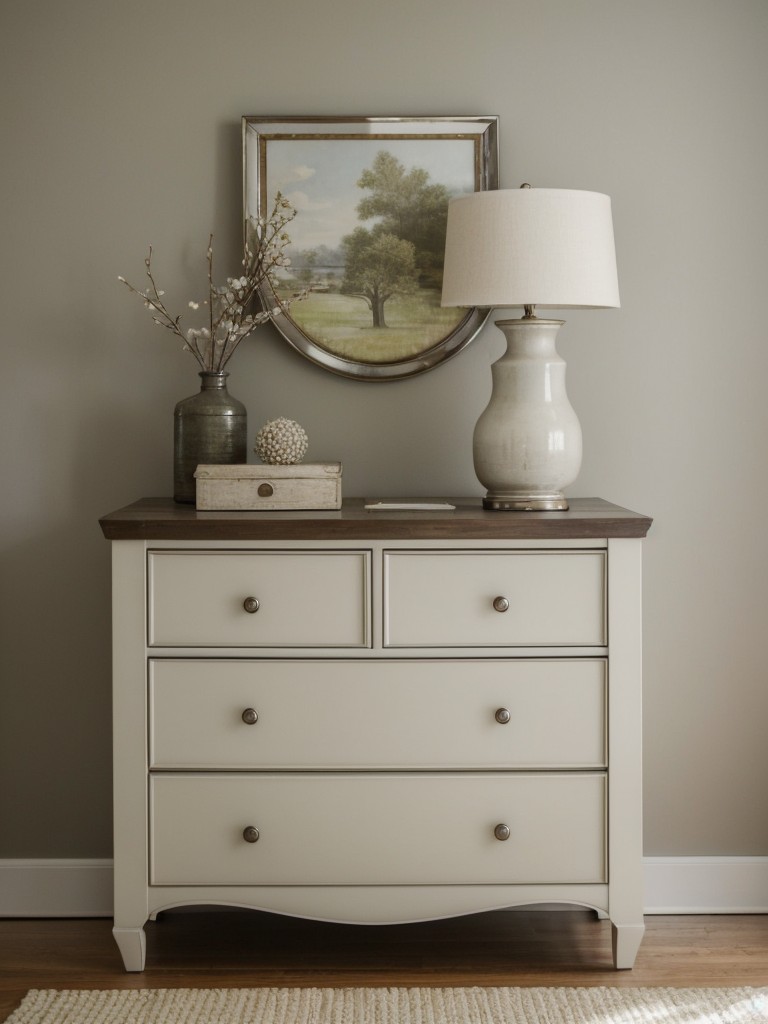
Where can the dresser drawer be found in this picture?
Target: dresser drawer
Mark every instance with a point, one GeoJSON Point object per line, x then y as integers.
{"type": "Point", "coordinates": [377, 714]}
{"type": "Point", "coordinates": [494, 598]}
{"type": "Point", "coordinates": [297, 599]}
{"type": "Point", "coordinates": [375, 829]}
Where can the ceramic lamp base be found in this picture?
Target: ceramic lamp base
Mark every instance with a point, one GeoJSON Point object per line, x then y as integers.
{"type": "Point", "coordinates": [527, 442]}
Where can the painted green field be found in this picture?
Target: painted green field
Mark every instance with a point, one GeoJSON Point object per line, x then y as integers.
{"type": "Point", "coordinates": [342, 324]}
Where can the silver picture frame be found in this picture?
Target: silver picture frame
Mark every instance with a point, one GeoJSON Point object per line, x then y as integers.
{"type": "Point", "coordinates": [367, 242]}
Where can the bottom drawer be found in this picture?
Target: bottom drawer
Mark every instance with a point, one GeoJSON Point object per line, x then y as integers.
{"type": "Point", "coordinates": [377, 829]}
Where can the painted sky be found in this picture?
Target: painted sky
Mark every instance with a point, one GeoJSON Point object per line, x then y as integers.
{"type": "Point", "coordinates": [320, 178]}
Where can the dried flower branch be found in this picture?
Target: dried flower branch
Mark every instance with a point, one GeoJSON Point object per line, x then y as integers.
{"type": "Point", "coordinates": [229, 321]}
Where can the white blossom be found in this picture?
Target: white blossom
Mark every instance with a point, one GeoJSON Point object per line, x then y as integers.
{"type": "Point", "coordinates": [229, 320]}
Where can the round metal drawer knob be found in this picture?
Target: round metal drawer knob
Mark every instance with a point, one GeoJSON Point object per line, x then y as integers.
{"type": "Point", "coordinates": [502, 716]}
{"type": "Point", "coordinates": [251, 834]}
{"type": "Point", "coordinates": [265, 490]}
{"type": "Point", "coordinates": [250, 716]}
{"type": "Point", "coordinates": [251, 605]}
{"type": "Point", "coordinates": [502, 832]}
{"type": "Point", "coordinates": [501, 604]}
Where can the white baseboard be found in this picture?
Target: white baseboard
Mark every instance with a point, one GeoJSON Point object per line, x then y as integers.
{"type": "Point", "coordinates": [673, 885]}
{"type": "Point", "coordinates": [55, 888]}
{"type": "Point", "coordinates": [706, 885]}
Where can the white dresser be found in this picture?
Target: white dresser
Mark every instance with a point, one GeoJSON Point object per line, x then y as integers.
{"type": "Point", "coordinates": [377, 716]}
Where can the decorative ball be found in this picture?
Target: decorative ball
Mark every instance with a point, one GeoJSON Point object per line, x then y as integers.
{"type": "Point", "coordinates": [281, 442]}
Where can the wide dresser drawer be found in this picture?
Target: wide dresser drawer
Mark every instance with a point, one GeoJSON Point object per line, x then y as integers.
{"type": "Point", "coordinates": [377, 829]}
{"type": "Point", "coordinates": [259, 599]}
{"type": "Point", "coordinates": [537, 713]}
{"type": "Point", "coordinates": [494, 598]}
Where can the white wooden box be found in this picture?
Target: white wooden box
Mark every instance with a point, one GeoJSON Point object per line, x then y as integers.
{"type": "Point", "coordinates": [253, 487]}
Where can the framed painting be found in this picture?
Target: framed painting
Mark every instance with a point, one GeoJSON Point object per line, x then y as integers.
{"type": "Point", "coordinates": [367, 243]}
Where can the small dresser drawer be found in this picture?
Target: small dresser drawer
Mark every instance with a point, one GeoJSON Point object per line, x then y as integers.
{"type": "Point", "coordinates": [259, 599]}
{"type": "Point", "coordinates": [494, 598]}
{"type": "Point", "coordinates": [213, 714]}
{"type": "Point", "coordinates": [377, 829]}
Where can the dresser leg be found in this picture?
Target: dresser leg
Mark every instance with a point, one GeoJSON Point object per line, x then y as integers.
{"type": "Point", "coordinates": [626, 939]}
{"type": "Point", "coordinates": [132, 944]}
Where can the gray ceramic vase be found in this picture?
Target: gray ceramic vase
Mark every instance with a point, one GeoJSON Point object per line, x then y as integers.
{"type": "Point", "coordinates": [209, 428]}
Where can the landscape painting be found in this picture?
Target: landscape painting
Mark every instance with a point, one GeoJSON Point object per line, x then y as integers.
{"type": "Point", "coordinates": [367, 242]}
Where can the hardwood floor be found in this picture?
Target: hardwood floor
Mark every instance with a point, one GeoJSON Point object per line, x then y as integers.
{"type": "Point", "coordinates": [227, 948]}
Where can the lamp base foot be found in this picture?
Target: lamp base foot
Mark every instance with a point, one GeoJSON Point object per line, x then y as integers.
{"type": "Point", "coordinates": [556, 502]}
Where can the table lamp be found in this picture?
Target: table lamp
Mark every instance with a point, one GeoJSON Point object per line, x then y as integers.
{"type": "Point", "coordinates": [529, 247]}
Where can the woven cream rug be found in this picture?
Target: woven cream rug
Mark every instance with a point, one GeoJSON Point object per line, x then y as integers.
{"type": "Point", "coordinates": [395, 1006]}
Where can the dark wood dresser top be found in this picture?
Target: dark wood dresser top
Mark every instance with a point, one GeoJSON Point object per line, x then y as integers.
{"type": "Point", "coordinates": [163, 519]}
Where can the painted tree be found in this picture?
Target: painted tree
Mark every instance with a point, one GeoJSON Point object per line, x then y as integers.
{"type": "Point", "coordinates": [378, 265]}
{"type": "Point", "coordinates": [410, 207]}
{"type": "Point", "coordinates": [307, 270]}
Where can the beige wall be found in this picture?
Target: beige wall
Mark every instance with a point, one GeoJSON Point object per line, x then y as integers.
{"type": "Point", "coordinates": [121, 127]}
